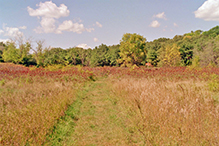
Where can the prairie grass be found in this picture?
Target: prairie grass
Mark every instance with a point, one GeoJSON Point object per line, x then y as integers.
{"type": "Point", "coordinates": [32, 101]}
{"type": "Point", "coordinates": [169, 111]}
{"type": "Point", "coordinates": [29, 110]}
{"type": "Point", "coordinates": [159, 106]}
{"type": "Point", "coordinates": [97, 117]}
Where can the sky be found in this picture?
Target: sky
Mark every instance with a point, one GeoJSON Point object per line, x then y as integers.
{"type": "Point", "coordinates": [90, 23]}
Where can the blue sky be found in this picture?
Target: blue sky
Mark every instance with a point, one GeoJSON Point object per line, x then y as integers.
{"type": "Point", "coordinates": [89, 23]}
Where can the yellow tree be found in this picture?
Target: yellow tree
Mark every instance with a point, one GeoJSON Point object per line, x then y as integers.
{"type": "Point", "coordinates": [170, 56]}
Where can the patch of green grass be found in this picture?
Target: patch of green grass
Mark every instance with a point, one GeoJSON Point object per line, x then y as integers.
{"type": "Point", "coordinates": [66, 124]}
{"type": "Point", "coordinates": [97, 117]}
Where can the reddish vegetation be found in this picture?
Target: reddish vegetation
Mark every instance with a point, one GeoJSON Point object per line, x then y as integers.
{"type": "Point", "coordinates": [10, 71]}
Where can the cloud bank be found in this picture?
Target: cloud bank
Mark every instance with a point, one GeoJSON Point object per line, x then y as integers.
{"type": "Point", "coordinates": [209, 11]}
{"type": "Point", "coordinates": [48, 13]}
{"type": "Point", "coordinates": [12, 31]}
{"type": "Point", "coordinates": [49, 10]}
{"type": "Point", "coordinates": [68, 25]}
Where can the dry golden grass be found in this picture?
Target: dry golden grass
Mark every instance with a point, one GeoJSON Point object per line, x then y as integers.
{"type": "Point", "coordinates": [165, 106]}
{"type": "Point", "coordinates": [171, 112]}
{"type": "Point", "coordinates": [29, 108]}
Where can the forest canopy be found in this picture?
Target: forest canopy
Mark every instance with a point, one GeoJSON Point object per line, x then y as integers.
{"type": "Point", "coordinates": [196, 48]}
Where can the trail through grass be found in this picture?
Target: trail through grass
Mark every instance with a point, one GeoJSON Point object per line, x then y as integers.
{"type": "Point", "coordinates": [97, 117]}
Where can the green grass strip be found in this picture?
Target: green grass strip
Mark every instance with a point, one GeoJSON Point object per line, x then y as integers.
{"type": "Point", "coordinates": [65, 126]}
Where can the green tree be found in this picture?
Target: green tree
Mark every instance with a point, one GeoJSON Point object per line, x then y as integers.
{"type": "Point", "coordinates": [25, 57]}
{"type": "Point", "coordinates": [88, 57]}
{"type": "Point", "coordinates": [113, 55]}
{"type": "Point", "coordinates": [212, 33]}
{"type": "Point", "coordinates": [99, 56]}
{"type": "Point", "coordinates": [2, 47]}
{"type": "Point", "coordinates": [39, 53]}
{"type": "Point", "coordinates": [82, 55]}
{"type": "Point", "coordinates": [72, 56]}
{"type": "Point", "coordinates": [132, 50]}
{"type": "Point", "coordinates": [152, 57]}
{"type": "Point", "coordinates": [54, 56]}
{"type": "Point", "coordinates": [186, 53]}
{"type": "Point", "coordinates": [11, 53]}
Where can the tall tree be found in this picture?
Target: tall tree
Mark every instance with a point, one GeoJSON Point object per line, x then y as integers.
{"type": "Point", "coordinates": [82, 55]}
{"type": "Point", "coordinates": [38, 53]}
{"type": "Point", "coordinates": [55, 56]}
{"type": "Point", "coordinates": [25, 57]}
{"type": "Point", "coordinates": [88, 57]}
{"type": "Point", "coordinates": [152, 57]}
{"type": "Point", "coordinates": [113, 55]}
{"type": "Point", "coordinates": [72, 56]}
{"type": "Point", "coordinates": [99, 56]}
{"type": "Point", "coordinates": [186, 53]}
{"type": "Point", "coordinates": [11, 53]}
{"type": "Point", "coordinates": [132, 50]}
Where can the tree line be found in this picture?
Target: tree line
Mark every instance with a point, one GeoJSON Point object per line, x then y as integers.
{"type": "Point", "coordinates": [197, 48]}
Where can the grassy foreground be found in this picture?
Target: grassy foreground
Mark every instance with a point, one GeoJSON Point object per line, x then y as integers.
{"type": "Point", "coordinates": [32, 100]}
{"type": "Point", "coordinates": [132, 111]}
{"type": "Point", "coordinates": [108, 106]}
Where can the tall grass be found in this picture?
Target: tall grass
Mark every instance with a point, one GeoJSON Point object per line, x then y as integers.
{"type": "Point", "coordinates": [31, 101]}
{"type": "Point", "coordinates": [29, 110]}
{"type": "Point", "coordinates": [169, 106]}
{"type": "Point", "coordinates": [171, 112]}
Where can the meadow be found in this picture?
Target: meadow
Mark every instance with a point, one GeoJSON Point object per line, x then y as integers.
{"type": "Point", "coordinates": [76, 105]}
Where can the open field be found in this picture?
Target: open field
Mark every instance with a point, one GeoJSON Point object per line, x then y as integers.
{"type": "Point", "coordinates": [108, 106]}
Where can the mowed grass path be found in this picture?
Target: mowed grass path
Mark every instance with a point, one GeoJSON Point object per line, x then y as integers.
{"type": "Point", "coordinates": [97, 117]}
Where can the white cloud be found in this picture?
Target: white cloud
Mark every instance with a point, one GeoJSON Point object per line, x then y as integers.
{"type": "Point", "coordinates": [96, 40]}
{"type": "Point", "coordinates": [208, 11]}
{"type": "Point", "coordinates": [11, 31]}
{"type": "Point", "coordinates": [68, 25]}
{"type": "Point", "coordinates": [84, 46]}
{"type": "Point", "coordinates": [161, 16]}
{"type": "Point", "coordinates": [48, 12]}
{"type": "Point", "coordinates": [47, 25]}
{"type": "Point", "coordinates": [175, 24]}
{"type": "Point", "coordinates": [49, 9]}
{"type": "Point", "coordinates": [23, 27]}
{"type": "Point", "coordinates": [98, 24]}
{"type": "Point", "coordinates": [155, 24]}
